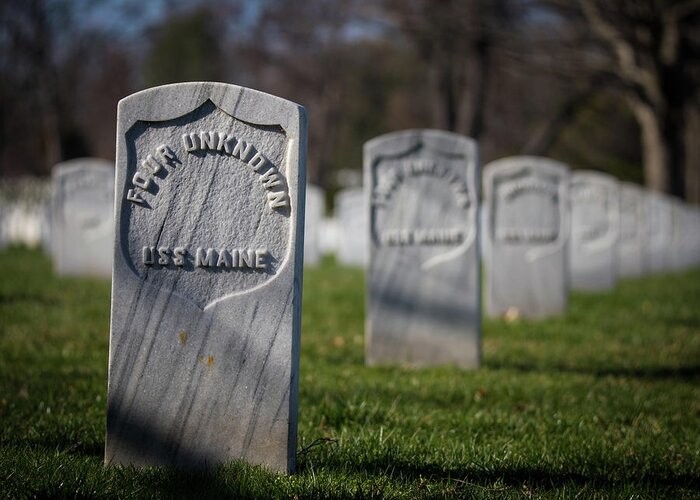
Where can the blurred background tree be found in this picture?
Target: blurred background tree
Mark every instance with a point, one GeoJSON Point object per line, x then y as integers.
{"type": "Point", "coordinates": [610, 85]}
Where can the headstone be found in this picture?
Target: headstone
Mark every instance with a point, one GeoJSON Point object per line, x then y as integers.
{"type": "Point", "coordinates": [206, 295]}
{"type": "Point", "coordinates": [692, 231]}
{"type": "Point", "coordinates": [528, 204]}
{"type": "Point", "coordinates": [351, 214]}
{"type": "Point", "coordinates": [3, 213]}
{"type": "Point", "coordinates": [631, 253]}
{"type": "Point", "coordinates": [676, 257]}
{"type": "Point", "coordinates": [660, 231]}
{"type": "Point", "coordinates": [45, 221]}
{"type": "Point", "coordinates": [328, 236]}
{"type": "Point", "coordinates": [315, 205]}
{"type": "Point", "coordinates": [484, 243]}
{"type": "Point", "coordinates": [595, 226]}
{"type": "Point", "coordinates": [423, 280]}
{"type": "Point", "coordinates": [82, 217]}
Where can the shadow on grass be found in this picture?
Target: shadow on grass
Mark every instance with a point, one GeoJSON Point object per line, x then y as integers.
{"type": "Point", "coordinates": [516, 477]}
{"type": "Point", "coordinates": [685, 373]}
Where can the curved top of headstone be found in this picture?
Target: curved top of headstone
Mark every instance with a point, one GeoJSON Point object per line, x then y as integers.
{"type": "Point", "coordinates": [171, 101]}
{"type": "Point", "coordinates": [68, 166]}
{"type": "Point", "coordinates": [594, 176]}
{"type": "Point", "coordinates": [399, 142]}
{"type": "Point", "coordinates": [631, 186]}
{"type": "Point", "coordinates": [513, 163]}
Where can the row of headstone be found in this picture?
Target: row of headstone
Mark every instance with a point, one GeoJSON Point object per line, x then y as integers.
{"type": "Point", "coordinates": [207, 263]}
{"type": "Point", "coordinates": [622, 230]}
{"type": "Point", "coordinates": [609, 230]}
{"type": "Point", "coordinates": [23, 212]}
{"type": "Point", "coordinates": [71, 217]}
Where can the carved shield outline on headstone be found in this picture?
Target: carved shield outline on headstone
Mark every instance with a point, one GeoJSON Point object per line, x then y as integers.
{"type": "Point", "coordinates": [609, 184]}
{"type": "Point", "coordinates": [245, 105]}
{"type": "Point", "coordinates": [397, 144]}
{"type": "Point", "coordinates": [515, 165]}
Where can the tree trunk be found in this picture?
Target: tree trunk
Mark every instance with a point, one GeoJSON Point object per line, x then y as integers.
{"type": "Point", "coordinates": [444, 99]}
{"type": "Point", "coordinates": [663, 148]}
{"type": "Point", "coordinates": [654, 151]}
{"type": "Point", "coordinates": [470, 121]}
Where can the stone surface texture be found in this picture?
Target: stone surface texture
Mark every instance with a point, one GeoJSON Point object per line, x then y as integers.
{"type": "Point", "coordinates": [206, 293]}
{"type": "Point", "coordinates": [351, 216]}
{"type": "Point", "coordinates": [82, 217]}
{"type": "Point", "coordinates": [423, 279]}
{"type": "Point", "coordinates": [595, 226]}
{"type": "Point", "coordinates": [528, 231]}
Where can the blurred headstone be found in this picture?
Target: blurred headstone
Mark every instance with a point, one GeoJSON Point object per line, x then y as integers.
{"type": "Point", "coordinates": [631, 253]}
{"type": "Point", "coordinates": [594, 231]}
{"type": "Point", "coordinates": [82, 217]}
{"type": "Point", "coordinates": [206, 300]}
{"type": "Point", "coordinates": [23, 200]}
{"type": "Point", "coordinates": [691, 227]}
{"type": "Point", "coordinates": [347, 178]}
{"type": "Point", "coordinates": [351, 214]}
{"type": "Point", "coordinates": [423, 280]}
{"type": "Point", "coordinates": [660, 231]}
{"type": "Point", "coordinates": [681, 234]}
{"type": "Point", "coordinates": [328, 235]}
{"type": "Point", "coordinates": [315, 206]}
{"type": "Point", "coordinates": [3, 213]}
{"type": "Point", "coordinates": [528, 226]}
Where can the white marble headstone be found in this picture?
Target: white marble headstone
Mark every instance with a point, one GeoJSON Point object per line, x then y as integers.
{"type": "Point", "coordinates": [423, 279]}
{"type": "Point", "coordinates": [681, 233]}
{"type": "Point", "coordinates": [3, 213]}
{"type": "Point", "coordinates": [328, 236]}
{"type": "Point", "coordinates": [594, 231]}
{"type": "Point", "coordinates": [691, 229]}
{"type": "Point", "coordinates": [660, 231]}
{"type": "Point", "coordinates": [82, 217]}
{"type": "Point", "coordinates": [631, 250]}
{"type": "Point", "coordinates": [315, 207]}
{"type": "Point", "coordinates": [528, 226]}
{"type": "Point", "coordinates": [206, 295]}
{"type": "Point", "coordinates": [351, 214]}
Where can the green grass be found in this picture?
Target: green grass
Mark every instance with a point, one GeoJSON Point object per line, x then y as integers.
{"type": "Point", "coordinates": [601, 403]}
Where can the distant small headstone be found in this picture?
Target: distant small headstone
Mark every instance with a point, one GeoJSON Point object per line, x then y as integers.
{"type": "Point", "coordinates": [660, 231]}
{"type": "Point", "coordinates": [3, 214]}
{"type": "Point", "coordinates": [82, 217]}
{"type": "Point", "coordinates": [315, 207]}
{"type": "Point", "coordinates": [328, 236]}
{"type": "Point", "coordinates": [351, 214]}
{"type": "Point", "coordinates": [595, 213]}
{"type": "Point", "coordinates": [631, 253]}
{"type": "Point", "coordinates": [423, 280]}
{"type": "Point", "coordinates": [680, 253]}
{"type": "Point", "coordinates": [206, 297]}
{"type": "Point", "coordinates": [691, 235]}
{"type": "Point", "coordinates": [528, 207]}
{"type": "Point", "coordinates": [693, 232]}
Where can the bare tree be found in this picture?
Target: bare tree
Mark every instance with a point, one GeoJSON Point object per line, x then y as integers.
{"type": "Point", "coordinates": [649, 51]}
{"type": "Point", "coordinates": [455, 40]}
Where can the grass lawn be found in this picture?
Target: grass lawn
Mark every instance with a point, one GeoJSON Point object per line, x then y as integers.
{"type": "Point", "coordinates": [604, 402]}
